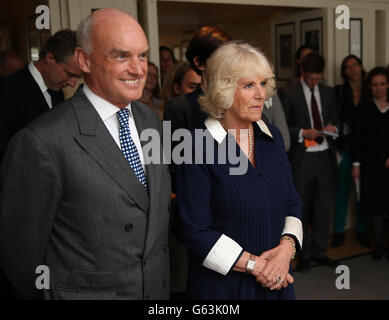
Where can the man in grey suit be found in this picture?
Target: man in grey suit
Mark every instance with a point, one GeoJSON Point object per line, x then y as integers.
{"type": "Point", "coordinates": [77, 195]}
{"type": "Point", "coordinates": [310, 109]}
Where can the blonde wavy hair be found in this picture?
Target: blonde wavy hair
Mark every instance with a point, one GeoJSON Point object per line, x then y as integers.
{"type": "Point", "coordinates": [229, 63]}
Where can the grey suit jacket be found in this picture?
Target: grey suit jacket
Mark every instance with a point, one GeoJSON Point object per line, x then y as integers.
{"type": "Point", "coordinates": [70, 201]}
{"type": "Point", "coordinates": [297, 117]}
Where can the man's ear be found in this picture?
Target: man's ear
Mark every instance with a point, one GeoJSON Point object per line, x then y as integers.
{"type": "Point", "coordinates": [175, 89]}
{"type": "Point", "coordinates": [83, 60]}
{"type": "Point", "coordinates": [49, 59]}
{"type": "Point", "coordinates": [198, 64]}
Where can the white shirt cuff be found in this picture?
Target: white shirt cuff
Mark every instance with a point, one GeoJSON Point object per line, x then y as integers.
{"type": "Point", "coordinates": [294, 226]}
{"type": "Point", "coordinates": [223, 255]}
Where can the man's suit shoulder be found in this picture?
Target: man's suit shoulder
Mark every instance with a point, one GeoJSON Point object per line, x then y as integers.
{"type": "Point", "coordinates": [326, 88]}
{"type": "Point", "coordinates": [149, 113]}
{"type": "Point", "coordinates": [55, 119]}
{"type": "Point", "coordinates": [291, 89]}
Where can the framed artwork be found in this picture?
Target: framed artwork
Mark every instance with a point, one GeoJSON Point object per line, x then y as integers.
{"type": "Point", "coordinates": [355, 37]}
{"type": "Point", "coordinates": [285, 48]}
{"type": "Point", "coordinates": [311, 33]}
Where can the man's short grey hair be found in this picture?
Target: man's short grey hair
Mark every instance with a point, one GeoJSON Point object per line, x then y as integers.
{"type": "Point", "coordinates": [84, 34]}
{"type": "Point", "coordinates": [229, 63]}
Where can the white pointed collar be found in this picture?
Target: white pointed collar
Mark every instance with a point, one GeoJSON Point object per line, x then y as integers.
{"type": "Point", "coordinates": [219, 133]}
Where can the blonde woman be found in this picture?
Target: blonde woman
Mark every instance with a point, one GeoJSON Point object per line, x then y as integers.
{"type": "Point", "coordinates": [241, 231]}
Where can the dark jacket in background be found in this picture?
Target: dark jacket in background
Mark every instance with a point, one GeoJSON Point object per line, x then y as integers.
{"type": "Point", "coordinates": [21, 101]}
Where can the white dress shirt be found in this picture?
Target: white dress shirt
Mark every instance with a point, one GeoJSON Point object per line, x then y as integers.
{"type": "Point", "coordinates": [107, 113]}
{"type": "Point", "coordinates": [41, 83]}
{"type": "Point", "coordinates": [308, 96]}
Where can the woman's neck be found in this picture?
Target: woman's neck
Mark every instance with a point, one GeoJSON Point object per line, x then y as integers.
{"type": "Point", "coordinates": [356, 85]}
{"type": "Point", "coordinates": [231, 123]}
{"type": "Point", "coordinates": [382, 102]}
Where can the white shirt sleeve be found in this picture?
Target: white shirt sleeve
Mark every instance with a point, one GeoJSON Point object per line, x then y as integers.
{"type": "Point", "coordinates": [223, 255]}
{"type": "Point", "coordinates": [294, 226]}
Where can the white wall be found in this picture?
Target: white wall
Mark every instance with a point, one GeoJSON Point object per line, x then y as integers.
{"type": "Point", "coordinates": [69, 13]}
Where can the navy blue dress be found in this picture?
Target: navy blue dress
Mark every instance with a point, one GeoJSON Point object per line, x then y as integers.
{"type": "Point", "coordinates": [249, 208]}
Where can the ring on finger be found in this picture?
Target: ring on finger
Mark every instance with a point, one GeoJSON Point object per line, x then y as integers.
{"type": "Point", "coordinates": [278, 280]}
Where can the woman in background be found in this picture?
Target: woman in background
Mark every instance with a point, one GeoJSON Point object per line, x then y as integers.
{"type": "Point", "coordinates": [180, 80]}
{"type": "Point", "coordinates": [150, 95]}
{"type": "Point", "coordinates": [349, 96]}
{"type": "Point", "coordinates": [166, 61]}
{"type": "Point", "coordinates": [371, 139]}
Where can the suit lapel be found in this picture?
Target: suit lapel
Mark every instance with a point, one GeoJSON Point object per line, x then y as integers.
{"type": "Point", "coordinates": [96, 140]}
{"type": "Point", "coordinates": [303, 102]}
{"type": "Point", "coordinates": [39, 101]}
{"type": "Point", "coordinates": [323, 101]}
{"type": "Point", "coordinates": [153, 171]}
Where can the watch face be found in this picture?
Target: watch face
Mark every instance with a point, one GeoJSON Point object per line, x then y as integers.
{"type": "Point", "coordinates": [250, 265]}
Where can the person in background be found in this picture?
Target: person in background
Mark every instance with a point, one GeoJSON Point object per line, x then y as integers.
{"type": "Point", "coordinates": [150, 94]}
{"type": "Point", "coordinates": [10, 62]}
{"type": "Point", "coordinates": [371, 157]}
{"type": "Point", "coordinates": [349, 96]}
{"type": "Point", "coordinates": [239, 229]}
{"type": "Point", "coordinates": [166, 61]}
{"type": "Point", "coordinates": [36, 88]}
{"type": "Point", "coordinates": [310, 110]}
{"type": "Point", "coordinates": [184, 111]}
{"type": "Point", "coordinates": [273, 112]}
{"type": "Point", "coordinates": [301, 52]}
{"type": "Point", "coordinates": [180, 80]}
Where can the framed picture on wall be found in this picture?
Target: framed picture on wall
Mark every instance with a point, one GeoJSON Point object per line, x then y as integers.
{"type": "Point", "coordinates": [355, 37]}
{"type": "Point", "coordinates": [311, 33]}
{"type": "Point", "coordinates": [285, 48]}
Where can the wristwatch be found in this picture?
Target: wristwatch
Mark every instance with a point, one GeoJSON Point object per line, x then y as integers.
{"type": "Point", "coordinates": [250, 265]}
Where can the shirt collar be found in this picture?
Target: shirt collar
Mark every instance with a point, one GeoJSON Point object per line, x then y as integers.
{"type": "Point", "coordinates": [269, 103]}
{"type": "Point", "coordinates": [382, 111]}
{"type": "Point", "coordinates": [306, 88]}
{"type": "Point", "coordinates": [104, 108]}
{"type": "Point", "coordinates": [219, 133]}
{"type": "Point", "coordinates": [37, 77]}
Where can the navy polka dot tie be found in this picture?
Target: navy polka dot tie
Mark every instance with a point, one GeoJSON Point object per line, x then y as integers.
{"type": "Point", "coordinates": [129, 149]}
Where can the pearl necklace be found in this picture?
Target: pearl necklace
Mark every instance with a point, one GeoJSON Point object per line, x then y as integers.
{"type": "Point", "coordinates": [250, 140]}
{"type": "Point", "coordinates": [250, 144]}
